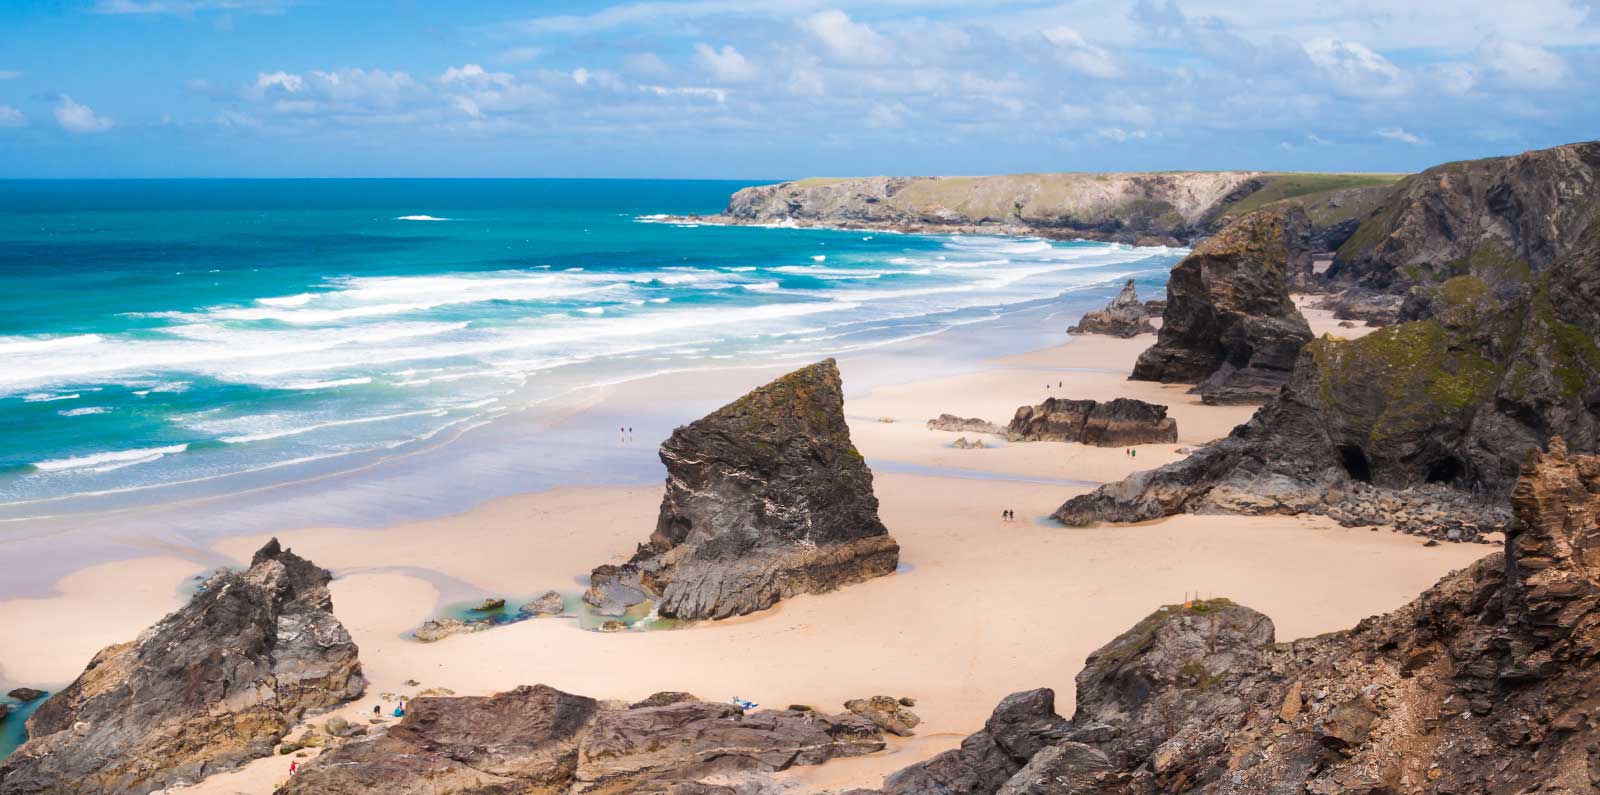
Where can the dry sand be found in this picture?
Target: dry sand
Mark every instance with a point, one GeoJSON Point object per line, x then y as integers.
{"type": "Point", "coordinates": [981, 608]}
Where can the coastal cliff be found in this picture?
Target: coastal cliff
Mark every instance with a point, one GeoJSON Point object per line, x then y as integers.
{"type": "Point", "coordinates": [1483, 684]}
{"type": "Point", "coordinates": [766, 498]}
{"type": "Point", "coordinates": [208, 688]}
{"type": "Point", "coordinates": [1174, 208]}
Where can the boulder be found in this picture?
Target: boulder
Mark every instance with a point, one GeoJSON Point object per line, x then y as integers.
{"type": "Point", "coordinates": [963, 444]}
{"type": "Point", "coordinates": [539, 739]}
{"type": "Point", "coordinates": [490, 605]}
{"type": "Point", "coordinates": [766, 498]}
{"type": "Point", "coordinates": [1229, 326]}
{"type": "Point", "coordinates": [1485, 683]}
{"type": "Point", "coordinates": [549, 603]}
{"type": "Point", "coordinates": [26, 694]}
{"type": "Point", "coordinates": [1116, 423]}
{"type": "Point", "coordinates": [887, 713]}
{"type": "Point", "coordinates": [950, 422]}
{"type": "Point", "coordinates": [437, 629]}
{"type": "Point", "coordinates": [1021, 726]}
{"type": "Point", "coordinates": [1124, 317]}
{"type": "Point", "coordinates": [210, 687]}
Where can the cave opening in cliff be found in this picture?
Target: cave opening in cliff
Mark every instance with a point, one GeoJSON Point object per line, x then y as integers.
{"type": "Point", "coordinates": [1445, 470]}
{"type": "Point", "coordinates": [1355, 462]}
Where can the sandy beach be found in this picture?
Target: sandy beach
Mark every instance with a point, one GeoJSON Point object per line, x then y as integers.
{"type": "Point", "coordinates": [980, 608]}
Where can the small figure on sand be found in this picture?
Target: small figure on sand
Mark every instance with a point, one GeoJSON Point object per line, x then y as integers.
{"type": "Point", "coordinates": [630, 434]}
{"type": "Point", "coordinates": [377, 710]}
{"type": "Point", "coordinates": [294, 767]}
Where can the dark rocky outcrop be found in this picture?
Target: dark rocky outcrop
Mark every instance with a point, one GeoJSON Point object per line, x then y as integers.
{"type": "Point", "coordinates": [1155, 307]}
{"type": "Point", "coordinates": [1115, 423]}
{"type": "Point", "coordinates": [1484, 684]}
{"type": "Point", "coordinates": [1124, 317]}
{"type": "Point", "coordinates": [1229, 325]}
{"type": "Point", "coordinates": [1500, 219]}
{"type": "Point", "coordinates": [549, 603]}
{"type": "Point", "coordinates": [1375, 307]}
{"type": "Point", "coordinates": [950, 422]}
{"type": "Point", "coordinates": [208, 688]}
{"type": "Point", "coordinates": [26, 694]}
{"type": "Point", "coordinates": [1425, 420]}
{"type": "Point", "coordinates": [887, 713]}
{"type": "Point", "coordinates": [766, 498]}
{"type": "Point", "coordinates": [541, 740]}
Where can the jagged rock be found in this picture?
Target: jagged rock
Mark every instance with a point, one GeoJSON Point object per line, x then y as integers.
{"type": "Point", "coordinates": [665, 698]}
{"type": "Point", "coordinates": [1125, 316]}
{"type": "Point", "coordinates": [437, 629]}
{"type": "Point", "coordinates": [1229, 325]}
{"type": "Point", "coordinates": [1116, 423]}
{"type": "Point", "coordinates": [766, 498]}
{"type": "Point", "coordinates": [1155, 307]}
{"type": "Point", "coordinates": [963, 444]}
{"type": "Point", "coordinates": [950, 422]}
{"type": "Point", "coordinates": [1483, 684]}
{"type": "Point", "coordinates": [1065, 769]}
{"type": "Point", "coordinates": [26, 694]}
{"type": "Point", "coordinates": [613, 626]}
{"type": "Point", "coordinates": [213, 685]}
{"type": "Point", "coordinates": [1375, 307]}
{"type": "Point", "coordinates": [490, 605]}
{"type": "Point", "coordinates": [549, 603]}
{"type": "Point", "coordinates": [1498, 219]}
{"type": "Point", "coordinates": [1432, 415]}
{"type": "Point", "coordinates": [887, 713]}
{"type": "Point", "coordinates": [1021, 726]}
{"type": "Point", "coordinates": [538, 739]}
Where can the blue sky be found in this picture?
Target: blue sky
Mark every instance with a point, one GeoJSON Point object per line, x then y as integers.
{"type": "Point", "coordinates": [783, 88]}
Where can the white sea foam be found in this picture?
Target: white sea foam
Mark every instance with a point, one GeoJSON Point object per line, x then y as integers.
{"type": "Point", "coordinates": [46, 397]}
{"type": "Point", "coordinates": [819, 258]}
{"type": "Point", "coordinates": [593, 310]}
{"type": "Point", "coordinates": [85, 411]}
{"type": "Point", "coordinates": [333, 384]}
{"type": "Point", "coordinates": [101, 462]}
{"type": "Point", "coordinates": [420, 218]}
{"type": "Point", "coordinates": [13, 345]}
{"type": "Point", "coordinates": [281, 427]}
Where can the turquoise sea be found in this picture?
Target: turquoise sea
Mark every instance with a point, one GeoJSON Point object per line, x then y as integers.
{"type": "Point", "coordinates": [156, 334]}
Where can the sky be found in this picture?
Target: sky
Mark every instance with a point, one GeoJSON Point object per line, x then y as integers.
{"type": "Point", "coordinates": [766, 89]}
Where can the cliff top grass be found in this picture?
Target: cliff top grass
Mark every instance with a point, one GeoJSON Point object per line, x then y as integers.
{"type": "Point", "coordinates": [1297, 185]}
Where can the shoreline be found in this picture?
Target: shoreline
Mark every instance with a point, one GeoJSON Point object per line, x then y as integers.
{"type": "Point", "coordinates": [982, 608]}
{"type": "Point", "coordinates": [1058, 234]}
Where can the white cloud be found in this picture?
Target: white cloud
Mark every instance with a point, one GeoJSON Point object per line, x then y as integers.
{"type": "Point", "coordinates": [1317, 139]}
{"type": "Point", "coordinates": [1399, 134]}
{"type": "Point", "coordinates": [1075, 52]}
{"type": "Point", "coordinates": [9, 74]}
{"type": "Point", "coordinates": [518, 55]}
{"type": "Point", "coordinates": [77, 118]}
{"type": "Point", "coordinates": [1357, 70]}
{"type": "Point", "coordinates": [846, 39]}
{"type": "Point", "coordinates": [726, 65]}
{"type": "Point", "coordinates": [11, 117]}
{"type": "Point", "coordinates": [1523, 65]}
{"type": "Point", "coordinates": [647, 64]}
{"type": "Point", "coordinates": [1120, 135]}
{"type": "Point", "coordinates": [284, 80]}
{"type": "Point", "coordinates": [717, 94]}
{"type": "Point", "coordinates": [473, 75]}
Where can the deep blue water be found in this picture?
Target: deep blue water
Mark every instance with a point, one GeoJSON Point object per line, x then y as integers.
{"type": "Point", "coordinates": [163, 332]}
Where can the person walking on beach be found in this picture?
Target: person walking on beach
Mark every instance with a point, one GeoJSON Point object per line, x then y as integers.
{"type": "Point", "coordinates": [294, 767]}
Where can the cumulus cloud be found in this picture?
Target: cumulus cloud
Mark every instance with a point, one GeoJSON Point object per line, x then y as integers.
{"type": "Point", "coordinates": [1523, 65]}
{"type": "Point", "coordinates": [474, 75]}
{"type": "Point", "coordinates": [845, 39]}
{"type": "Point", "coordinates": [1399, 134]}
{"type": "Point", "coordinates": [1357, 70]}
{"type": "Point", "coordinates": [727, 65]}
{"type": "Point", "coordinates": [76, 118]}
{"type": "Point", "coordinates": [1073, 51]}
{"type": "Point", "coordinates": [11, 117]}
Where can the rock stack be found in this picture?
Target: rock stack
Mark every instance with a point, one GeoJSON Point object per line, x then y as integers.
{"type": "Point", "coordinates": [1229, 326]}
{"type": "Point", "coordinates": [1115, 423]}
{"type": "Point", "coordinates": [1124, 317]}
{"type": "Point", "coordinates": [208, 688]}
{"type": "Point", "coordinates": [766, 498]}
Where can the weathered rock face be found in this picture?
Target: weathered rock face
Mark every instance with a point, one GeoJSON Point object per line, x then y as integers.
{"type": "Point", "coordinates": [766, 498]}
{"type": "Point", "coordinates": [1124, 317]}
{"type": "Point", "coordinates": [1485, 684]}
{"type": "Point", "coordinates": [208, 688]}
{"type": "Point", "coordinates": [950, 422]}
{"type": "Point", "coordinates": [1428, 418]}
{"type": "Point", "coordinates": [539, 739]}
{"type": "Point", "coordinates": [1498, 219]}
{"type": "Point", "coordinates": [1359, 303]}
{"type": "Point", "coordinates": [1115, 423]}
{"type": "Point", "coordinates": [1229, 325]}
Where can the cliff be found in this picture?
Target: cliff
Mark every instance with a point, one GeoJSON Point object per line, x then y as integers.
{"type": "Point", "coordinates": [1167, 207]}
{"type": "Point", "coordinates": [1484, 684]}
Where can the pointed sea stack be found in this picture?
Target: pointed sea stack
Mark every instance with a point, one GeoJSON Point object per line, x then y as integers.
{"type": "Point", "coordinates": [1126, 316]}
{"type": "Point", "coordinates": [766, 498]}
{"type": "Point", "coordinates": [1229, 325]}
{"type": "Point", "coordinates": [208, 688]}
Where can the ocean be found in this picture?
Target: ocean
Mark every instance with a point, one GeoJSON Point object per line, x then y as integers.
{"type": "Point", "coordinates": [173, 337]}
